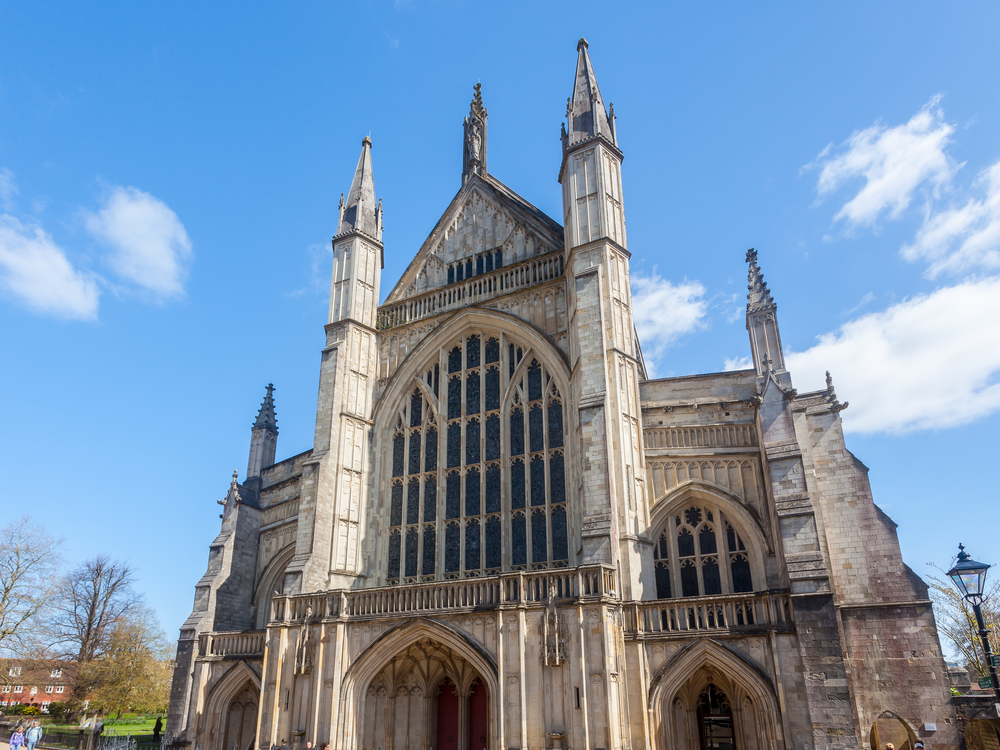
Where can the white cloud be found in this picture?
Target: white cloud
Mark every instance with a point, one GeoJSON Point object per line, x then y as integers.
{"type": "Point", "coordinates": [894, 162]}
{"type": "Point", "coordinates": [35, 271]}
{"type": "Point", "coordinates": [959, 239]}
{"type": "Point", "coordinates": [150, 245]}
{"type": "Point", "coordinates": [664, 311]}
{"type": "Point", "coordinates": [737, 363]}
{"type": "Point", "coordinates": [929, 362]}
{"type": "Point", "coordinates": [8, 189]}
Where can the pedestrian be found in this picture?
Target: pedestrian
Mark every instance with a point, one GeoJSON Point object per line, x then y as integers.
{"type": "Point", "coordinates": [918, 744]}
{"type": "Point", "coordinates": [889, 746]}
{"type": "Point", "coordinates": [33, 736]}
{"type": "Point", "coordinates": [157, 729]}
{"type": "Point", "coordinates": [325, 746]}
{"type": "Point", "coordinates": [309, 746]}
{"type": "Point", "coordinates": [17, 739]}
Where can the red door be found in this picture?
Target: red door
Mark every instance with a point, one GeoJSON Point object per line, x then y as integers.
{"type": "Point", "coordinates": [478, 718]}
{"type": "Point", "coordinates": [447, 717]}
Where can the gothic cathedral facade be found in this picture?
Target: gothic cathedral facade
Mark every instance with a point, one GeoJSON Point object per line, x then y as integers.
{"type": "Point", "coordinates": [507, 537]}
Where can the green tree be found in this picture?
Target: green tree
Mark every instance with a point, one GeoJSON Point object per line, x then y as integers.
{"type": "Point", "coordinates": [133, 673]}
{"type": "Point", "coordinates": [956, 621]}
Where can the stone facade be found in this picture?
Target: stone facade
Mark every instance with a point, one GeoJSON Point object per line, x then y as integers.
{"type": "Point", "coordinates": [507, 536]}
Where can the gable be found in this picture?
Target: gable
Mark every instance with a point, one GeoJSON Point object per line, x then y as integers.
{"type": "Point", "coordinates": [486, 225]}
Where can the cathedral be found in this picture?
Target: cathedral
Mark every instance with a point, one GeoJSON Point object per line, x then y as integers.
{"type": "Point", "coordinates": [507, 536]}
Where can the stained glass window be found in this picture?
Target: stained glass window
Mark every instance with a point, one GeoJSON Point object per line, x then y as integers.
{"type": "Point", "coordinates": [696, 561]}
{"type": "Point", "coordinates": [504, 469]}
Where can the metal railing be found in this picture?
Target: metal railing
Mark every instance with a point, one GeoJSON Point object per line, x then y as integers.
{"type": "Point", "coordinates": [476, 289]}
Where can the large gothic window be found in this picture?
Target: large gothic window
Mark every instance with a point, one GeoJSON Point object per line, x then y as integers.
{"type": "Point", "coordinates": [701, 553]}
{"type": "Point", "coordinates": [478, 468]}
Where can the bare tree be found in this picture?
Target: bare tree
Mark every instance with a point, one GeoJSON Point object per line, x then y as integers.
{"type": "Point", "coordinates": [29, 561]}
{"type": "Point", "coordinates": [91, 601]}
{"type": "Point", "coordinates": [957, 622]}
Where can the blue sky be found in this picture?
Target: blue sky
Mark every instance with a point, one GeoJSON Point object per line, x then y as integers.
{"type": "Point", "coordinates": [169, 178]}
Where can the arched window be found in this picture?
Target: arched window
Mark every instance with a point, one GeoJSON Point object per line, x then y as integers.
{"type": "Point", "coordinates": [496, 499]}
{"type": "Point", "coordinates": [701, 553]}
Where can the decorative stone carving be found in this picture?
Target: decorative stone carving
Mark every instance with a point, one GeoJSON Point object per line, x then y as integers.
{"type": "Point", "coordinates": [553, 635]}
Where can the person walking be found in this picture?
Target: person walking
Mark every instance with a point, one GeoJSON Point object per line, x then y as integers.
{"type": "Point", "coordinates": [17, 739]}
{"type": "Point", "coordinates": [157, 729]}
{"type": "Point", "coordinates": [33, 736]}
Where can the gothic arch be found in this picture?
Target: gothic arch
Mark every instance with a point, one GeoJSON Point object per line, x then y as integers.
{"type": "Point", "coordinates": [674, 688]}
{"type": "Point", "coordinates": [738, 567]}
{"type": "Point", "coordinates": [456, 494]}
{"type": "Point", "coordinates": [212, 726]}
{"type": "Point", "coordinates": [469, 318]}
{"type": "Point", "coordinates": [670, 502]}
{"type": "Point", "coordinates": [891, 727]}
{"type": "Point", "coordinates": [380, 653]}
{"type": "Point", "coordinates": [271, 579]}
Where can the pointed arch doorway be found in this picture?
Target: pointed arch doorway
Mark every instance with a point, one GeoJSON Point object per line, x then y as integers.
{"type": "Point", "coordinates": [462, 720]}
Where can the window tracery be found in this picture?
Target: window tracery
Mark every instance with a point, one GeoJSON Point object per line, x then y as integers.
{"type": "Point", "coordinates": [700, 553]}
{"type": "Point", "coordinates": [498, 500]}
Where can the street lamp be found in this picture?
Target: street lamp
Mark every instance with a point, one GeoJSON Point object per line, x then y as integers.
{"type": "Point", "coordinates": [970, 578]}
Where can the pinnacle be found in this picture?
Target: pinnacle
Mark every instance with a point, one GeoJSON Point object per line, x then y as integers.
{"type": "Point", "coordinates": [585, 112]}
{"type": "Point", "coordinates": [266, 418]}
{"type": "Point", "coordinates": [359, 210]}
{"type": "Point", "coordinates": [582, 44]}
{"type": "Point", "coordinates": [758, 296]}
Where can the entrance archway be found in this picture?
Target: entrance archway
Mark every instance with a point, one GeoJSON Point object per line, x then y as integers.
{"type": "Point", "coordinates": [709, 697]}
{"type": "Point", "coordinates": [983, 734]}
{"type": "Point", "coordinates": [241, 720]}
{"type": "Point", "coordinates": [427, 695]}
{"type": "Point", "coordinates": [890, 728]}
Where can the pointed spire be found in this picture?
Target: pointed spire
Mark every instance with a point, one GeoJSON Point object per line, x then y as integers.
{"type": "Point", "coordinates": [758, 296]}
{"type": "Point", "coordinates": [474, 149]}
{"type": "Point", "coordinates": [266, 418]}
{"type": "Point", "coordinates": [360, 213]}
{"type": "Point", "coordinates": [585, 112]}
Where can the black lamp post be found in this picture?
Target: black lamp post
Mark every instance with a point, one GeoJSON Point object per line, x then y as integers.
{"type": "Point", "coordinates": [970, 578]}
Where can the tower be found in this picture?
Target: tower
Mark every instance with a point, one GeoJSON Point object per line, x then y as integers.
{"type": "Point", "coordinates": [335, 478]}
{"type": "Point", "coordinates": [603, 350]}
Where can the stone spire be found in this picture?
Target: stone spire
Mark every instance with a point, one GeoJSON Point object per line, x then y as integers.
{"type": "Point", "coordinates": [585, 111]}
{"type": "Point", "coordinates": [758, 295]}
{"type": "Point", "coordinates": [263, 436]}
{"type": "Point", "coordinates": [762, 321]}
{"type": "Point", "coordinates": [266, 418]}
{"type": "Point", "coordinates": [474, 148]}
{"type": "Point", "coordinates": [361, 213]}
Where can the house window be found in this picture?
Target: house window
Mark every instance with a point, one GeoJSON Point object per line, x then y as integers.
{"type": "Point", "coordinates": [45, 706]}
{"type": "Point", "coordinates": [478, 468]}
{"type": "Point", "coordinates": [18, 688]}
{"type": "Point", "coordinates": [6, 689]}
{"type": "Point", "coordinates": [55, 673]}
{"type": "Point", "coordinates": [60, 688]}
{"type": "Point", "coordinates": [14, 672]}
{"type": "Point", "coordinates": [3, 703]}
{"type": "Point", "coordinates": [49, 688]}
{"type": "Point", "coordinates": [700, 552]}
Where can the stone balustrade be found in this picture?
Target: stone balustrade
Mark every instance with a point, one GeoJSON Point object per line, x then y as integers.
{"type": "Point", "coordinates": [701, 436]}
{"type": "Point", "coordinates": [709, 614]}
{"type": "Point", "coordinates": [243, 644]}
{"type": "Point", "coordinates": [472, 291]}
{"type": "Point", "coordinates": [585, 582]}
